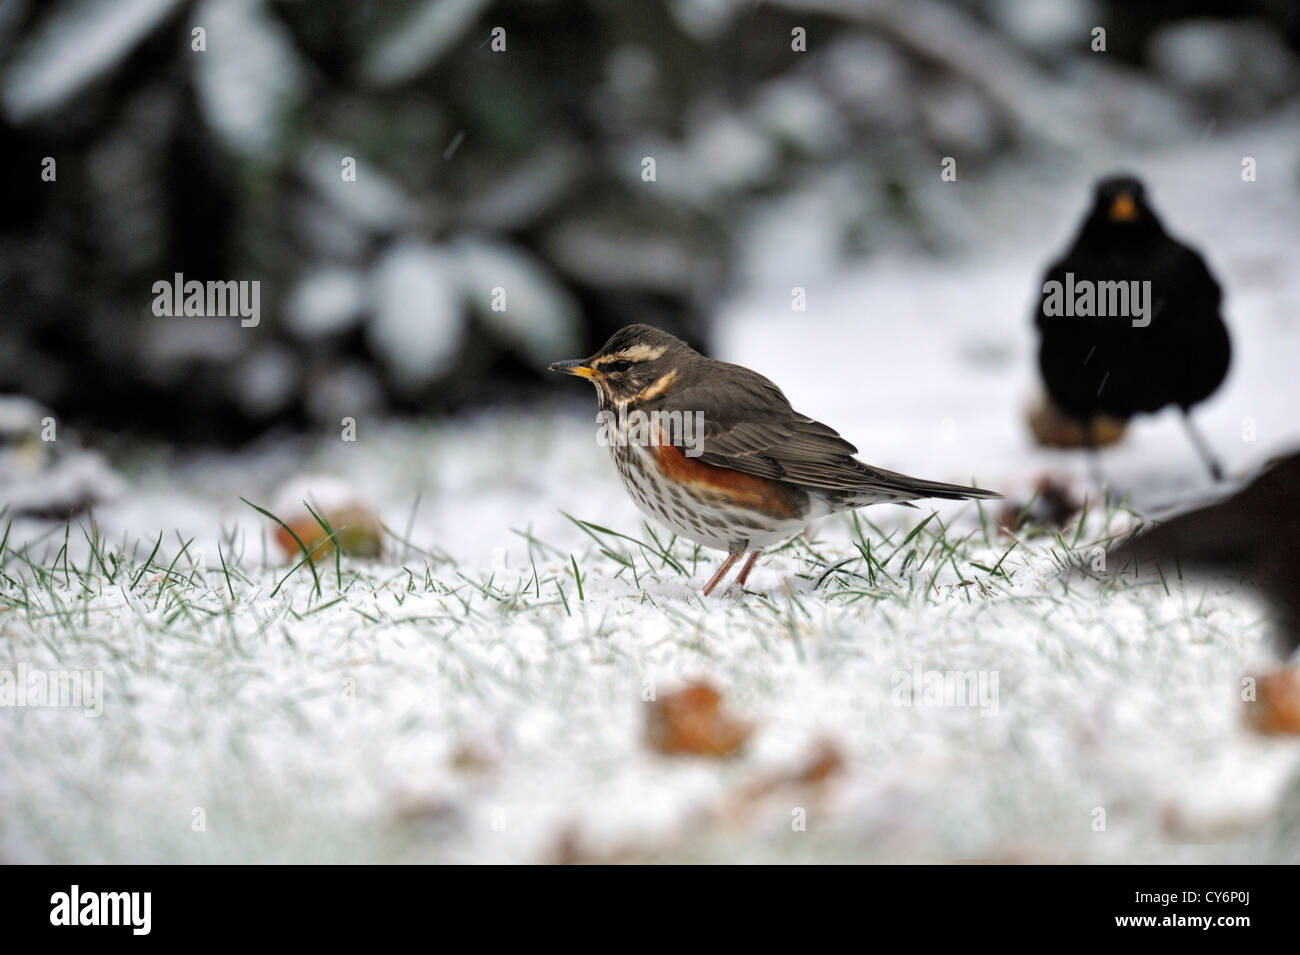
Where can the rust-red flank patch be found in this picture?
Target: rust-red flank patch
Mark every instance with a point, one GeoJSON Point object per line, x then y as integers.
{"type": "Point", "coordinates": [744, 490]}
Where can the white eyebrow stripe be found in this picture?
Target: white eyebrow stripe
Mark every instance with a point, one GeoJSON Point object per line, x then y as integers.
{"type": "Point", "coordinates": [640, 353]}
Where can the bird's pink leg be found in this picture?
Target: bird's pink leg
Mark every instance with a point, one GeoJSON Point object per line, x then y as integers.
{"type": "Point", "coordinates": [722, 572]}
{"type": "Point", "coordinates": [744, 571]}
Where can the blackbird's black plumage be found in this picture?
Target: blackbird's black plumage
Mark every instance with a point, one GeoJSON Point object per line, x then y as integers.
{"type": "Point", "coordinates": [1254, 533]}
{"type": "Point", "coordinates": [1105, 365]}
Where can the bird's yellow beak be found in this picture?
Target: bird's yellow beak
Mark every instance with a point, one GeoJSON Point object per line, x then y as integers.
{"type": "Point", "coordinates": [575, 366]}
{"type": "Point", "coordinates": [1123, 208]}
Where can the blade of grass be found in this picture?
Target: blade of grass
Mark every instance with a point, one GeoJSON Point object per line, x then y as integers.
{"type": "Point", "coordinates": [306, 554]}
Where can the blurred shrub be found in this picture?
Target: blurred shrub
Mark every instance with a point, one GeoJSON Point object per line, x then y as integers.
{"type": "Point", "coordinates": [498, 151]}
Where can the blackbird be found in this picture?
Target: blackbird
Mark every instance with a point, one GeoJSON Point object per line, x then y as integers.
{"type": "Point", "coordinates": [1254, 533]}
{"type": "Point", "coordinates": [1129, 318]}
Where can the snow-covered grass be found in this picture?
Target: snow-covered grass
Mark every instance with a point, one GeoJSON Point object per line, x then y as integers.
{"type": "Point", "coordinates": [431, 707]}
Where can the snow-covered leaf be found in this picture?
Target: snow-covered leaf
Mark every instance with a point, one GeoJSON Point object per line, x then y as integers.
{"type": "Point", "coordinates": [417, 321]}
{"type": "Point", "coordinates": [369, 199]}
{"type": "Point", "coordinates": [517, 299]}
{"type": "Point", "coordinates": [265, 382]}
{"type": "Point", "coordinates": [326, 301]}
{"type": "Point", "coordinates": [74, 45]}
{"type": "Point", "coordinates": [248, 75]}
{"type": "Point", "coordinates": [419, 40]}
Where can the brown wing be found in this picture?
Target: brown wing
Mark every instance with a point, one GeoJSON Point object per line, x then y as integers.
{"type": "Point", "coordinates": [750, 427]}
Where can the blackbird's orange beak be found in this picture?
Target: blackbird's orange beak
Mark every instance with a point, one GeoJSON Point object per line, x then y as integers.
{"type": "Point", "coordinates": [1123, 208]}
{"type": "Point", "coordinates": [575, 366]}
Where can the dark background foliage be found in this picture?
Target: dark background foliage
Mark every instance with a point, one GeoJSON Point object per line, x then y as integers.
{"type": "Point", "coordinates": [475, 163]}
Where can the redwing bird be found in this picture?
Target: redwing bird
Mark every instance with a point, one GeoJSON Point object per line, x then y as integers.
{"type": "Point", "coordinates": [1113, 365]}
{"type": "Point", "coordinates": [1254, 533]}
{"type": "Point", "coordinates": [760, 471]}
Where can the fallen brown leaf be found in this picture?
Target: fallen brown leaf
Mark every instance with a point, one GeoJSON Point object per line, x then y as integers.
{"type": "Point", "coordinates": [1276, 708]}
{"type": "Point", "coordinates": [356, 531]}
{"type": "Point", "coordinates": [1053, 503]}
{"type": "Point", "coordinates": [730, 813]}
{"type": "Point", "coordinates": [690, 723]}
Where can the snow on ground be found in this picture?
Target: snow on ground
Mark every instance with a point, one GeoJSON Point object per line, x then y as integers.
{"type": "Point", "coordinates": [464, 700]}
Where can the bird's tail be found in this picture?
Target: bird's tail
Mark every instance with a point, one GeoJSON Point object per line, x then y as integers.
{"type": "Point", "coordinates": [901, 487]}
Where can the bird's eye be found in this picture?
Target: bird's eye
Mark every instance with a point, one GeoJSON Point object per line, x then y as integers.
{"type": "Point", "coordinates": [620, 365]}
